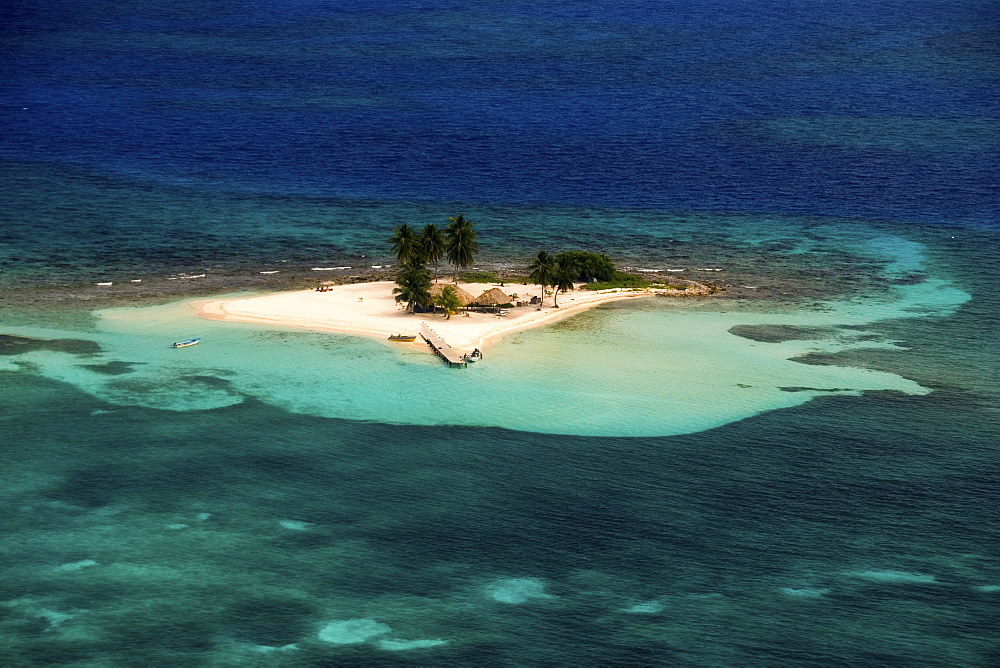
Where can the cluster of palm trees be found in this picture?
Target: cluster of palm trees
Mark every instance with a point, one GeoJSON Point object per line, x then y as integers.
{"type": "Point", "coordinates": [555, 272]}
{"type": "Point", "coordinates": [457, 242]}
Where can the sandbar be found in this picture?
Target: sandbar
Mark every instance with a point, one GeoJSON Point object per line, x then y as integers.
{"type": "Point", "coordinates": [370, 310]}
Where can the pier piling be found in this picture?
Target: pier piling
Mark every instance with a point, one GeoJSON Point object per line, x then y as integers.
{"type": "Point", "coordinates": [454, 358]}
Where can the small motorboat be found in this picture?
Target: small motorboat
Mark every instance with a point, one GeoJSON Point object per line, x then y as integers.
{"type": "Point", "coordinates": [405, 338]}
{"type": "Point", "coordinates": [474, 356]}
{"type": "Point", "coordinates": [185, 344]}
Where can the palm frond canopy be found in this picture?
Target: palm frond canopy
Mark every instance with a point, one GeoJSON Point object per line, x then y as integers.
{"type": "Point", "coordinates": [542, 268]}
{"type": "Point", "coordinates": [406, 246]}
{"type": "Point", "coordinates": [492, 297]}
{"type": "Point", "coordinates": [433, 242]}
{"type": "Point", "coordinates": [463, 296]}
{"type": "Point", "coordinates": [461, 245]}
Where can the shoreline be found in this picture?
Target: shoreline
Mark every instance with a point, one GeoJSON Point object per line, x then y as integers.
{"type": "Point", "coordinates": [369, 309]}
{"type": "Point", "coordinates": [28, 299]}
{"type": "Point", "coordinates": [746, 276]}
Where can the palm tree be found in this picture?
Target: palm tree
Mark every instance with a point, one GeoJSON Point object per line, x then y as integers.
{"type": "Point", "coordinates": [414, 283]}
{"type": "Point", "coordinates": [541, 271]}
{"type": "Point", "coordinates": [405, 244]}
{"type": "Point", "coordinates": [432, 242]}
{"type": "Point", "coordinates": [461, 245]}
{"type": "Point", "coordinates": [449, 301]}
{"type": "Point", "coordinates": [562, 279]}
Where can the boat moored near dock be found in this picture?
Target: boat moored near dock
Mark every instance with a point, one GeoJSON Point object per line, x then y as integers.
{"type": "Point", "coordinates": [403, 337]}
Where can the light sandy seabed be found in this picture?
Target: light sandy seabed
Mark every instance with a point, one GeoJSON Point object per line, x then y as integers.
{"type": "Point", "coordinates": [369, 309]}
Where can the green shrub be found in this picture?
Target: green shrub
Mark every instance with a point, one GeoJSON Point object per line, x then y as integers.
{"type": "Point", "coordinates": [620, 280]}
{"type": "Point", "coordinates": [587, 266]}
{"type": "Point", "coordinates": [478, 277]}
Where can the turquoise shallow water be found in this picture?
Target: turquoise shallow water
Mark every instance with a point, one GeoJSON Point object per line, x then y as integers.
{"type": "Point", "coordinates": [666, 367]}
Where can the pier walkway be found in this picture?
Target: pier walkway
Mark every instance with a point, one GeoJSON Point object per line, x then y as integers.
{"type": "Point", "coordinates": [453, 357]}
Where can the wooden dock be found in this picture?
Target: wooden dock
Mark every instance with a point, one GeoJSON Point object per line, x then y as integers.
{"type": "Point", "coordinates": [453, 357]}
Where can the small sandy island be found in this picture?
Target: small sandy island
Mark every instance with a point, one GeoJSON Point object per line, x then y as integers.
{"type": "Point", "coordinates": [369, 309]}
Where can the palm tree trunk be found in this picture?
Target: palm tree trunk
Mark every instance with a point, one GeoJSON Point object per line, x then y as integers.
{"type": "Point", "coordinates": [555, 296]}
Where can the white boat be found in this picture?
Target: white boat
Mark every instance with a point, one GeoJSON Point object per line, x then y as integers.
{"type": "Point", "coordinates": [474, 356]}
{"type": "Point", "coordinates": [185, 344]}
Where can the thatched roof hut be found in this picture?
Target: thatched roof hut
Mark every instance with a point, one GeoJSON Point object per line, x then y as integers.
{"type": "Point", "coordinates": [492, 297]}
{"type": "Point", "coordinates": [464, 298]}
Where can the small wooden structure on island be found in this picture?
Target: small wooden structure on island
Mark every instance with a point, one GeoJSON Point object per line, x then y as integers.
{"type": "Point", "coordinates": [454, 358]}
{"type": "Point", "coordinates": [491, 300]}
{"type": "Point", "coordinates": [464, 297]}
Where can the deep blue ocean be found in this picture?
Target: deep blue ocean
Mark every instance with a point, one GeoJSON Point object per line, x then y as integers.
{"type": "Point", "coordinates": [846, 148]}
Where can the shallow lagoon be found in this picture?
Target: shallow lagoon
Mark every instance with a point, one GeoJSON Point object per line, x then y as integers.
{"type": "Point", "coordinates": [662, 368]}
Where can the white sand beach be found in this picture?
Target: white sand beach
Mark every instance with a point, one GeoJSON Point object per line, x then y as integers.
{"type": "Point", "coordinates": [369, 309]}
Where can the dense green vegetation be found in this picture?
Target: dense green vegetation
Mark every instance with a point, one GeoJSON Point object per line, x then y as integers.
{"type": "Point", "coordinates": [585, 266]}
{"type": "Point", "coordinates": [413, 253]}
{"type": "Point", "coordinates": [479, 277]}
{"type": "Point", "coordinates": [560, 272]}
{"type": "Point", "coordinates": [595, 270]}
{"type": "Point", "coordinates": [458, 243]}
{"type": "Point", "coordinates": [620, 280]}
{"type": "Point", "coordinates": [414, 283]}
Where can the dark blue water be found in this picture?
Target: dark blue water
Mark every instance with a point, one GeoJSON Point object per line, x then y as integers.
{"type": "Point", "coordinates": [167, 136]}
{"type": "Point", "coordinates": [643, 104]}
